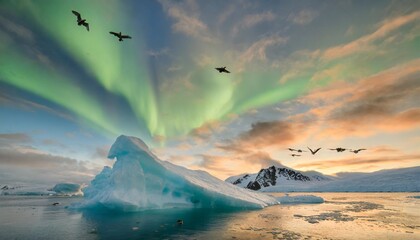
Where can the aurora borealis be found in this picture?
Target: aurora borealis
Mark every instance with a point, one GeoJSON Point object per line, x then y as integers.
{"type": "Point", "coordinates": [303, 74]}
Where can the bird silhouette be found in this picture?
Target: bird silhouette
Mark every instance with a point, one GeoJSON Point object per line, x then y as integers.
{"type": "Point", "coordinates": [357, 151]}
{"type": "Point", "coordinates": [120, 36]}
{"type": "Point", "coordinates": [296, 150]}
{"type": "Point", "coordinates": [80, 20]}
{"type": "Point", "coordinates": [338, 149]}
{"type": "Point", "coordinates": [314, 152]}
{"type": "Point", "coordinates": [295, 155]}
{"type": "Point", "coordinates": [222, 69]}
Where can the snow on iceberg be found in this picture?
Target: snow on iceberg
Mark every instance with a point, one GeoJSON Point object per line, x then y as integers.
{"type": "Point", "coordinates": [300, 199]}
{"type": "Point", "coordinates": [139, 180]}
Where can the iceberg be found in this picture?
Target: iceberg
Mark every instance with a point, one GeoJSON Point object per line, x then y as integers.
{"type": "Point", "coordinates": [68, 189]}
{"type": "Point", "coordinates": [138, 181]}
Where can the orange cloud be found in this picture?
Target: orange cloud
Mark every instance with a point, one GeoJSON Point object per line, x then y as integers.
{"type": "Point", "coordinates": [226, 166]}
{"type": "Point", "coordinates": [264, 135]}
{"type": "Point", "coordinates": [372, 162]}
{"type": "Point", "coordinates": [387, 33]}
{"type": "Point", "coordinates": [385, 102]}
{"type": "Point", "coordinates": [364, 43]}
{"type": "Point", "coordinates": [207, 129]}
{"type": "Point", "coordinates": [384, 149]}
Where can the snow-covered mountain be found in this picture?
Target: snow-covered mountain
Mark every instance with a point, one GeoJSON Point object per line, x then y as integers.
{"type": "Point", "coordinates": [393, 180]}
{"type": "Point", "coordinates": [139, 180]}
{"type": "Point", "coordinates": [283, 179]}
{"type": "Point", "coordinates": [274, 176]}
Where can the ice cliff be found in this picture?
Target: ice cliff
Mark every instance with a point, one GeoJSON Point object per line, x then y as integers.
{"type": "Point", "coordinates": [139, 180]}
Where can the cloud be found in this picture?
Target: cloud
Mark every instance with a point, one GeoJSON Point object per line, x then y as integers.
{"type": "Point", "coordinates": [207, 129]}
{"type": "Point", "coordinates": [184, 160]}
{"type": "Point", "coordinates": [52, 142]}
{"type": "Point", "coordinates": [303, 17]}
{"type": "Point", "coordinates": [27, 105]}
{"type": "Point", "coordinates": [350, 31]}
{"type": "Point", "coordinates": [384, 39]}
{"type": "Point", "coordinates": [263, 135]}
{"type": "Point", "coordinates": [187, 20]}
{"type": "Point", "coordinates": [226, 13]}
{"type": "Point", "coordinates": [15, 138]}
{"type": "Point", "coordinates": [158, 53]}
{"type": "Point", "coordinates": [360, 161]}
{"type": "Point", "coordinates": [252, 20]}
{"type": "Point", "coordinates": [365, 43]}
{"type": "Point", "coordinates": [102, 152]}
{"type": "Point", "coordinates": [16, 29]}
{"type": "Point", "coordinates": [258, 50]}
{"type": "Point", "coordinates": [42, 168]}
{"type": "Point", "coordinates": [384, 102]}
{"type": "Point", "coordinates": [384, 149]}
{"type": "Point", "coordinates": [226, 166]}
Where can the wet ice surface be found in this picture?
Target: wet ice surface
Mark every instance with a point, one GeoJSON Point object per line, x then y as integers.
{"type": "Point", "coordinates": [341, 216]}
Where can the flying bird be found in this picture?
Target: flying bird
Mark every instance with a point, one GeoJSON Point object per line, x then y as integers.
{"type": "Point", "coordinates": [358, 150]}
{"type": "Point", "coordinates": [296, 150]}
{"type": "Point", "coordinates": [222, 69]}
{"type": "Point", "coordinates": [120, 36]}
{"type": "Point", "coordinates": [295, 155]}
{"type": "Point", "coordinates": [338, 149]}
{"type": "Point", "coordinates": [314, 152]}
{"type": "Point", "coordinates": [80, 20]}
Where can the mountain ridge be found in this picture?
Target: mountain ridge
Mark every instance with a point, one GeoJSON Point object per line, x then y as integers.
{"type": "Point", "coordinates": [286, 179]}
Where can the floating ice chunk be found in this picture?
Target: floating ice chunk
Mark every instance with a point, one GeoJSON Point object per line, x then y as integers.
{"type": "Point", "coordinates": [418, 197]}
{"type": "Point", "coordinates": [139, 180]}
{"type": "Point", "coordinates": [300, 199]}
{"type": "Point", "coordinates": [69, 189]}
{"type": "Point", "coordinates": [26, 191]}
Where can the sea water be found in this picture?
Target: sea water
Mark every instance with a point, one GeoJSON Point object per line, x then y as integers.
{"type": "Point", "coordinates": [341, 216]}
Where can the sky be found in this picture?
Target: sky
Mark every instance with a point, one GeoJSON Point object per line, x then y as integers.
{"type": "Point", "coordinates": [318, 74]}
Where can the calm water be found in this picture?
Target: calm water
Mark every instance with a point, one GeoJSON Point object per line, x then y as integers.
{"type": "Point", "coordinates": [342, 216]}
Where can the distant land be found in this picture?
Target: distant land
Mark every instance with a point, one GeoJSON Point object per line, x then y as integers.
{"type": "Point", "coordinates": [284, 179]}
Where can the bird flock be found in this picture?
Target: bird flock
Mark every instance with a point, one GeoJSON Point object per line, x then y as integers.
{"type": "Point", "coordinates": [313, 152]}
{"type": "Point", "coordinates": [83, 22]}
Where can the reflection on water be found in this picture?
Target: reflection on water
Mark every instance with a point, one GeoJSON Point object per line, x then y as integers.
{"type": "Point", "coordinates": [158, 224]}
{"type": "Point", "coordinates": [342, 216]}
